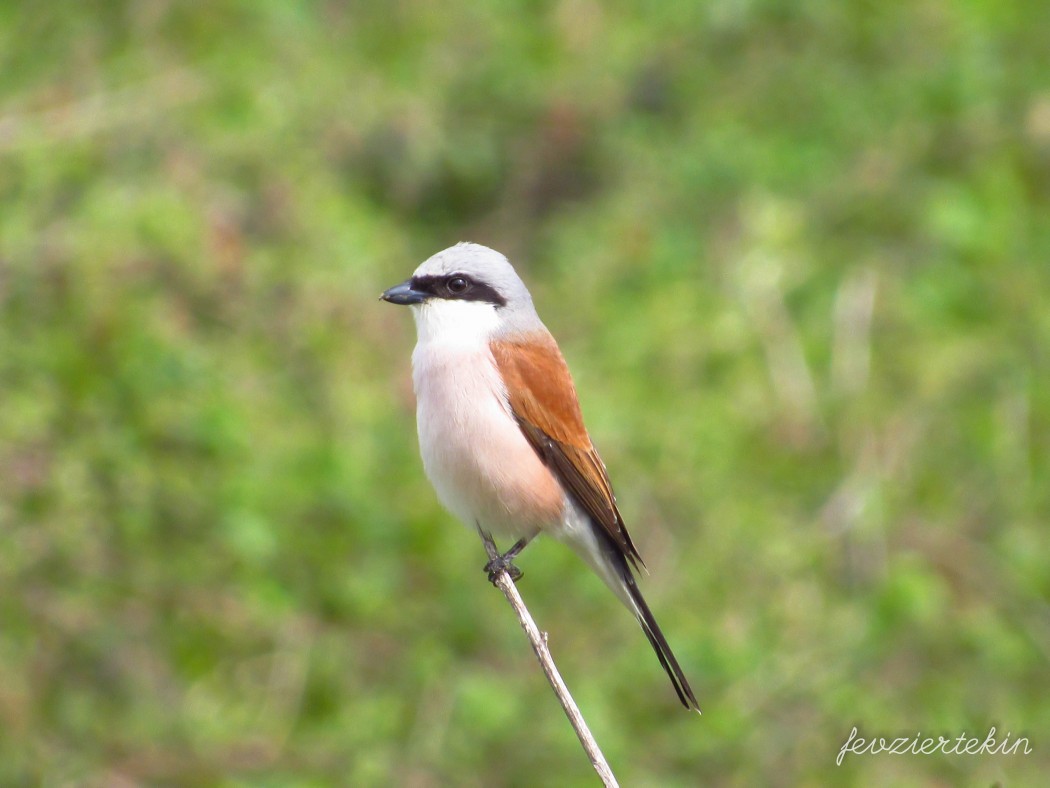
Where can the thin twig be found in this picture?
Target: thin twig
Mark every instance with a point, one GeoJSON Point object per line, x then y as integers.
{"type": "Point", "coordinates": [539, 645]}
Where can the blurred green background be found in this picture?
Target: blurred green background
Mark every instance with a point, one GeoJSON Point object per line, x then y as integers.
{"type": "Point", "coordinates": [796, 253]}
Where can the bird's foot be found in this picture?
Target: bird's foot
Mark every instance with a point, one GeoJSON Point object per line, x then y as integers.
{"type": "Point", "coordinates": [502, 563]}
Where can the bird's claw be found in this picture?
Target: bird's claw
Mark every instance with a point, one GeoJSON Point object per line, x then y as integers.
{"type": "Point", "coordinates": [502, 563]}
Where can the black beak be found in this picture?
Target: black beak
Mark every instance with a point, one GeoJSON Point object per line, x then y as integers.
{"type": "Point", "coordinates": [404, 294]}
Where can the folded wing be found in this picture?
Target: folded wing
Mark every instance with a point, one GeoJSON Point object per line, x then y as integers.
{"type": "Point", "coordinates": [543, 400]}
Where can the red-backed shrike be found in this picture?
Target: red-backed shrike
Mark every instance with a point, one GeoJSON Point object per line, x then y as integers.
{"type": "Point", "coordinates": [500, 428]}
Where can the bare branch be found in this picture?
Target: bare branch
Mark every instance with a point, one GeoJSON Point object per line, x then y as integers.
{"type": "Point", "coordinates": [538, 640]}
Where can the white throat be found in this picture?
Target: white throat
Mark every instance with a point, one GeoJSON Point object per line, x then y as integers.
{"type": "Point", "coordinates": [455, 322]}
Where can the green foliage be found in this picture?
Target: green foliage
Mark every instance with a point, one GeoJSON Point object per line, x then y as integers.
{"type": "Point", "coordinates": [797, 255]}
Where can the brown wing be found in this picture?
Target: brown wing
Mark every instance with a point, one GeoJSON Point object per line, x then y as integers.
{"type": "Point", "coordinates": [543, 400]}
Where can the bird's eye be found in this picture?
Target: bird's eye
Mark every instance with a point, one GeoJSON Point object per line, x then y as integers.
{"type": "Point", "coordinates": [458, 285]}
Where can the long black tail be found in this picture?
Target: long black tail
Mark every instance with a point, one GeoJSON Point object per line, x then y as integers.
{"type": "Point", "coordinates": [655, 634]}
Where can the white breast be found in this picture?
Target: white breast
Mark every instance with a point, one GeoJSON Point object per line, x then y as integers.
{"type": "Point", "coordinates": [482, 467]}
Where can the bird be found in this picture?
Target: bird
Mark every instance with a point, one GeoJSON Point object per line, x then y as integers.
{"type": "Point", "coordinates": [501, 432]}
